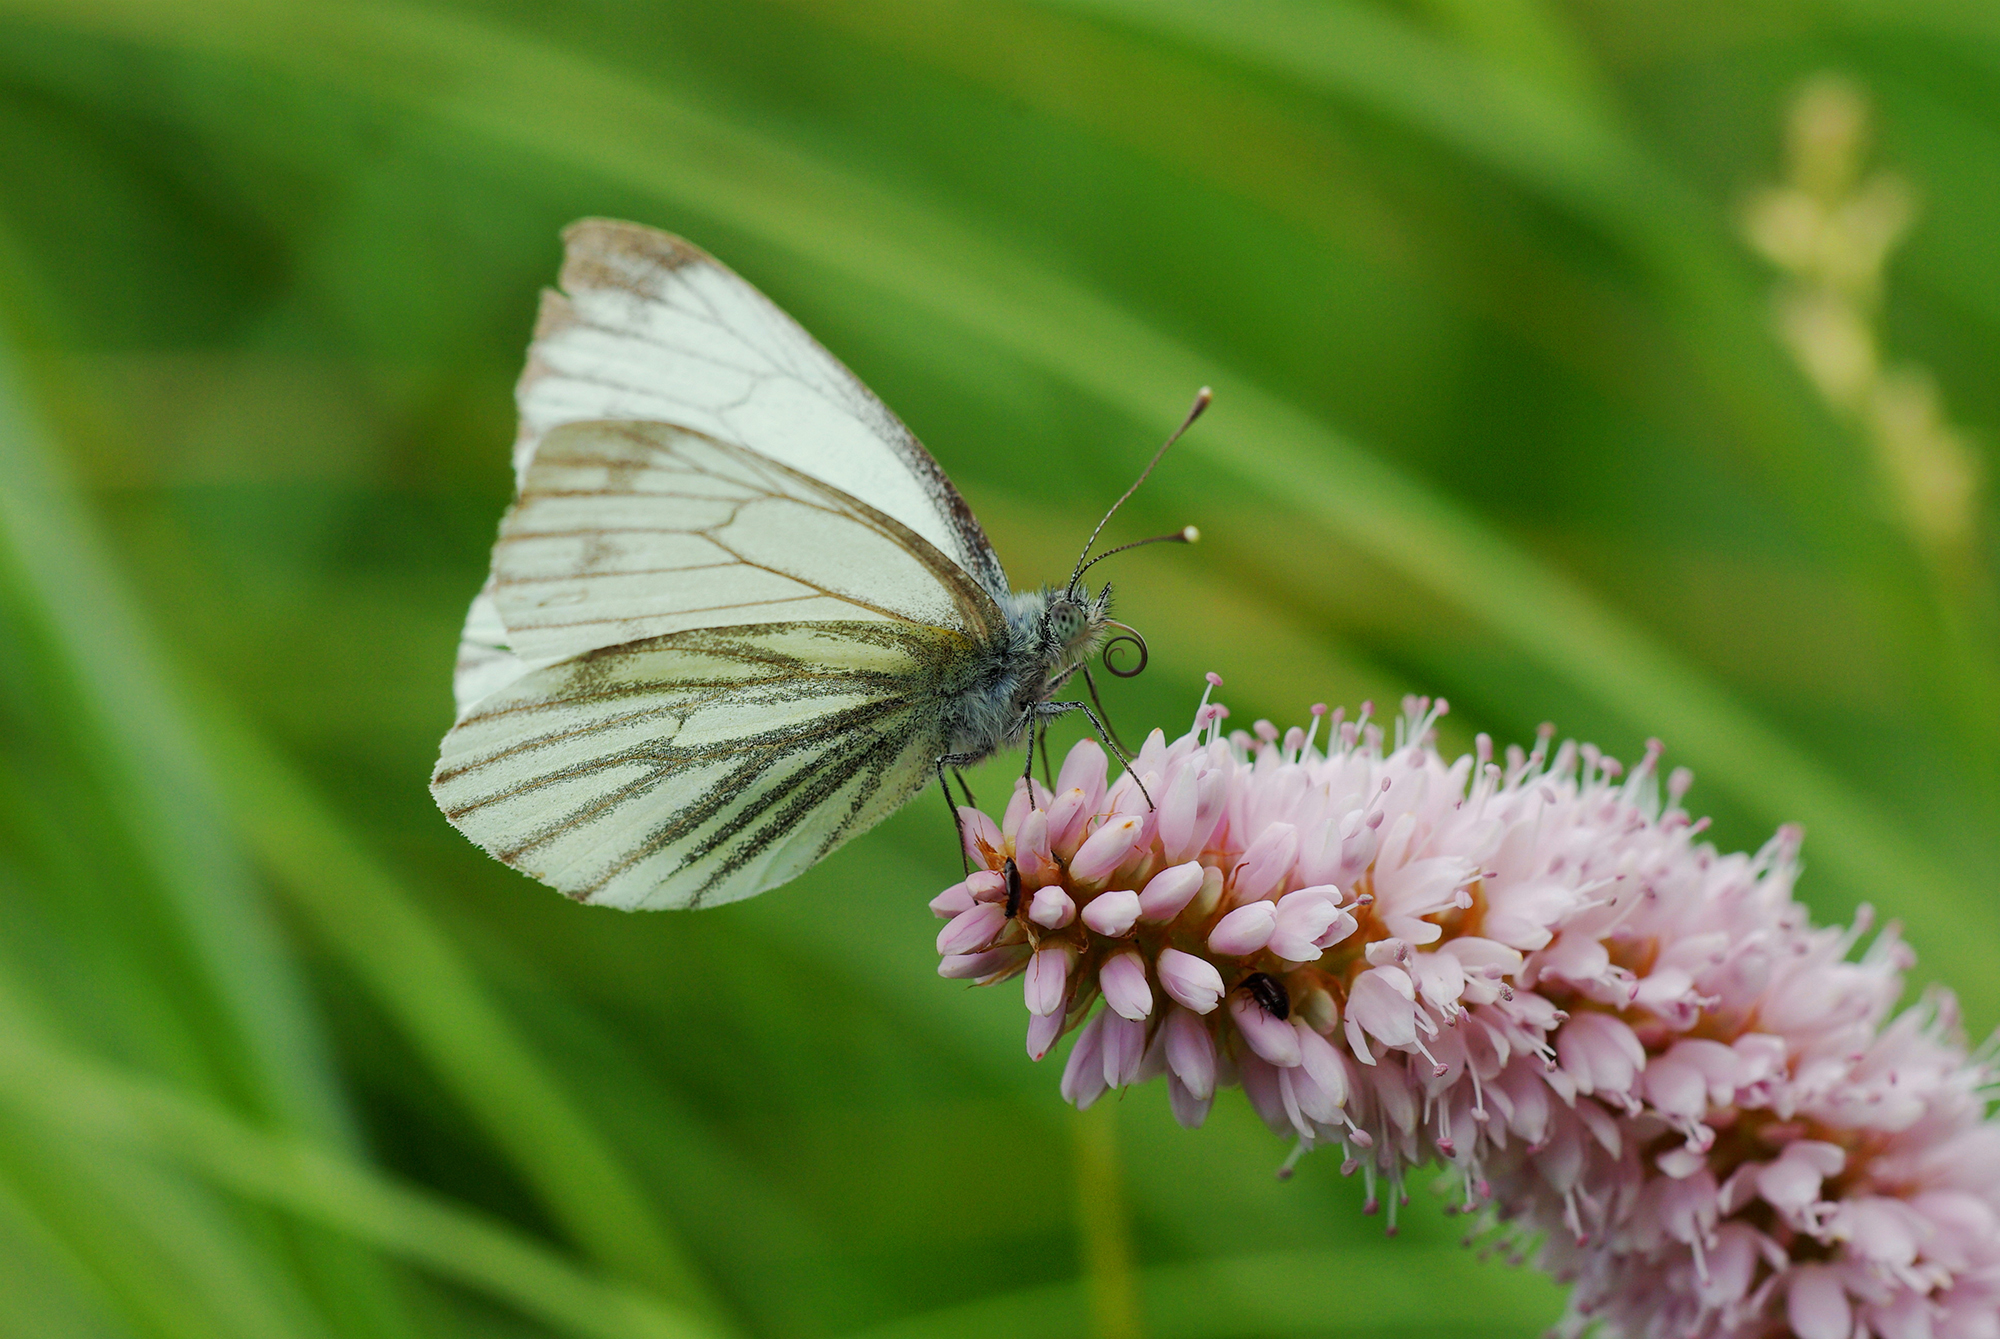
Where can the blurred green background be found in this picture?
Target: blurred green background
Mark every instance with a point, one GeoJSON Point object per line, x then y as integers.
{"type": "Point", "coordinates": [1525, 396]}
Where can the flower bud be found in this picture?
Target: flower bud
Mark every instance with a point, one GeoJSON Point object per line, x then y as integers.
{"type": "Point", "coordinates": [1190, 1052]}
{"type": "Point", "coordinates": [1046, 980]}
{"type": "Point", "coordinates": [1301, 918]}
{"type": "Point", "coordinates": [1272, 1038]}
{"type": "Point", "coordinates": [952, 900]}
{"type": "Point", "coordinates": [981, 836]}
{"type": "Point", "coordinates": [1124, 1043]}
{"type": "Point", "coordinates": [1107, 848]}
{"type": "Point", "coordinates": [1123, 980]}
{"type": "Point", "coordinates": [1243, 931]}
{"type": "Point", "coordinates": [1167, 893]}
{"type": "Point", "coordinates": [1043, 1029]}
{"type": "Point", "coordinates": [1051, 908]}
{"type": "Point", "coordinates": [973, 928]}
{"type": "Point", "coordinates": [1112, 914]}
{"type": "Point", "coordinates": [1192, 982]}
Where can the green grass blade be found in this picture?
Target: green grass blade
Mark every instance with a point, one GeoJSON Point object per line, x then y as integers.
{"type": "Point", "coordinates": [84, 1099]}
{"type": "Point", "coordinates": [420, 977]}
{"type": "Point", "coordinates": [132, 734]}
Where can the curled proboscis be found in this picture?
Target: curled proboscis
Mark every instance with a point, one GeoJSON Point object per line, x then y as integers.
{"type": "Point", "coordinates": [1126, 636]}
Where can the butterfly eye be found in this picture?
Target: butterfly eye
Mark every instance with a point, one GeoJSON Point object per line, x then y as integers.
{"type": "Point", "coordinates": [1065, 621]}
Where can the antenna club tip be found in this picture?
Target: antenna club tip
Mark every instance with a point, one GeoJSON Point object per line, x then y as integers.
{"type": "Point", "coordinates": [1190, 535]}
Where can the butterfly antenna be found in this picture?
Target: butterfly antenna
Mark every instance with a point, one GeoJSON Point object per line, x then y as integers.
{"type": "Point", "coordinates": [1201, 399]}
{"type": "Point", "coordinates": [1187, 534]}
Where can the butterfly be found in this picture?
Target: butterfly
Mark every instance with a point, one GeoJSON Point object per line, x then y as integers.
{"type": "Point", "coordinates": [737, 614]}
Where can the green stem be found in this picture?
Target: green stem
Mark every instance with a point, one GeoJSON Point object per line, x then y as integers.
{"type": "Point", "coordinates": [1103, 1225]}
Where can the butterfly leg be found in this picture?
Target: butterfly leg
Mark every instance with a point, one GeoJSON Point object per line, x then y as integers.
{"type": "Point", "coordinates": [1036, 730]}
{"type": "Point", "coordinates": [1047, 711]}
{"type": "Point", "coordinates": [956, 761]}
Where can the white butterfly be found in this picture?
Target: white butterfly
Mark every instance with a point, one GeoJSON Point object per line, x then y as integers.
{"type": "Point", "coordinates": [737, 614]}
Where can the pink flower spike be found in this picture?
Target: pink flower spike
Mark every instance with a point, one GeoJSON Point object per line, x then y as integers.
{"type": "Point", "coordinates": [1123, 980]}
{"type": "Point", "coordinates": [1829, 1170]}
{"type": "Point", "coordinates": [1272, 1038]}
{"type": "Point", "coordinates": [1301, 918]}
{"type": "Point", "coordinates": [1167, 893]}
{"type": "Point", "coordinates": [1107, 848]}
{"type": "Point", "coordinates": [1112, 914]}
{"type": "Point", "coordinates": [1051, 908]}
{"type": "Point", "coordinates": [1244, 930]}
{"type": "Point", "coordinates": [1192, 982]}
{"type": "Point", "coordinates": [973, 929]}
{"type": "Point", "coordinates": [982, 836]}
{"type": "Point", "coordinates": [1046, 981]}
{"type": "Point", "coordinates": [951, 901]}
{"type": "Point", "coordinates": [1191, 1053]}
{"type": "Point", "coordinates": [1043, 1029]}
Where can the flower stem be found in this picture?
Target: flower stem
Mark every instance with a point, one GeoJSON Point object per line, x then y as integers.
{"type": "Point", "coordinates": [1103, 1229]}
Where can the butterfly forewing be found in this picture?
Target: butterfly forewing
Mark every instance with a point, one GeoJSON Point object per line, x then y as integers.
{"type": "Point", "coordinates": [625, 531]}
{"type": "Point", "coordinates": [702, 766]}
{"type": "Point", "coordinates": [649, 327]}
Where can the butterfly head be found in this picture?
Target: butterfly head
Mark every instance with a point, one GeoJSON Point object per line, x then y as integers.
{"type": "Point", "coordinates": [1073, 624]}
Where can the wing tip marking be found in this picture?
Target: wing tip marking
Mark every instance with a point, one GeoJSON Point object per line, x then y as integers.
{"type": "Point", "coordinates": [612, 253]}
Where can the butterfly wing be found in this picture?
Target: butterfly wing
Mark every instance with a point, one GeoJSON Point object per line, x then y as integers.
{"type": "Point", "coordinates": [650, 327]}
{"type": "Point", "coordinates": [625, 531]}
{"type": "Point", "coordinates": [702, 766]}
{"type": "Point", "coordinates": [706, 670]}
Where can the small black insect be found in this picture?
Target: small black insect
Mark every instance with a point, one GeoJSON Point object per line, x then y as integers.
{"type": "Point", "coordinates": [1013, 873]}
{"type": "Point", "coordinates": [1269, 992]}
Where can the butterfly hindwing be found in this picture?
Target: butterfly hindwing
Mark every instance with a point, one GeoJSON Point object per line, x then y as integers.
{"type": "Point", "coordinates": [702, 766]}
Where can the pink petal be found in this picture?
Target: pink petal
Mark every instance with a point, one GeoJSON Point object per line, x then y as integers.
{"type": "Point", "coordinates": [1243, 931]}
{"type": "Point", "coordinates": [1167, 893]}
{"type": "Point", "coordinates": [1046, 981]}
{"type": "Point", "coordinates": [1051, 908]}
{"type": "Point", "coordinates": [1271, 1038]}
{"type": "Point", "coordinates": [1123, 980]}
{"type": "Point", "coordinates": [972, 929]}
{"type": "Point", "coordinates": [1112, 914]}
{"type": "Point", "coordinates": [1190, 1052]}
{"type": "Point", "coordinates": [1107, 848]}
{"type": "Point", "coordinates": [1192, 982]}
{"type": "Point", "coordinates": [1817, 1305]}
